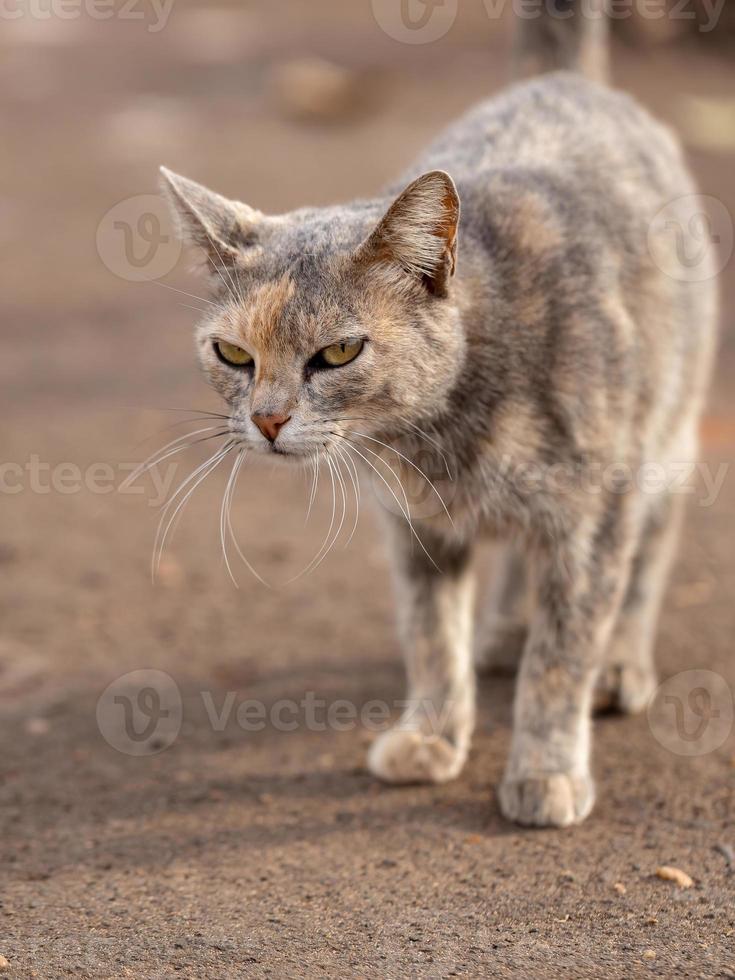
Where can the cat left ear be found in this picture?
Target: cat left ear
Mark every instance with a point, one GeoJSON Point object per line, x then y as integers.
{"type": "Point", "coordinates": [418, 236]}
{"type": "Point", "coordinates": [223, 229]}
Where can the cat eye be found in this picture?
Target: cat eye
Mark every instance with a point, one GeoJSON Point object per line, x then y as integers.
{"type": "Point", "coordinates": [337, 355]}
{"type": "Point", "coordinates": [232, 355]}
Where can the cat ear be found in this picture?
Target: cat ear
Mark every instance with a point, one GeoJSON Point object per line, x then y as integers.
{"type": "Point", "coordinates": [223, 229]}
{"type": "Point", "coordinates": [418, 236]}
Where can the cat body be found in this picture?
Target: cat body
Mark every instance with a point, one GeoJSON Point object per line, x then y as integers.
{"type": "Point", "coordinates": [516, 340]}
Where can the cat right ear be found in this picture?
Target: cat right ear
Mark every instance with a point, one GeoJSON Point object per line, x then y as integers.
{"type": "Point", "coordinates": [224, 230]}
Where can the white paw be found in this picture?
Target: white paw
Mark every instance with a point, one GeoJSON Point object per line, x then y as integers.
{"type": "Point", "coordinates": [551, 800]}
{"type": "Point", "coordinates": [401, 756]}
{"type": "Point", "coordinates": [625, 687]}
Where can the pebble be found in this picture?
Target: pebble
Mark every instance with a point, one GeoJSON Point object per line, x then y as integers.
{"type": "Point", "coordinates": [679, 877]}
{"type": "Point", "coordinates": [312, 88]}
{"type": "Point", "coordinates": [4, 965]}
{"type": "Point", "coordinates": [620, 888]}
{"type": "Point", "coordinates": [650, 954]}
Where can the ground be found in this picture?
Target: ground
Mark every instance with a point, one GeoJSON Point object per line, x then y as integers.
{"type": "Point", "coordinates": [239, 853]}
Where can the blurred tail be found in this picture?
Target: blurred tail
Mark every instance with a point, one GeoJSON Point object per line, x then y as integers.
{"type": "Point", "coordinates": [564, 34]}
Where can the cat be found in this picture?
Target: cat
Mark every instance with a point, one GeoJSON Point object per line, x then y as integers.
{"type": "Point", "coordinates": [532, 332]}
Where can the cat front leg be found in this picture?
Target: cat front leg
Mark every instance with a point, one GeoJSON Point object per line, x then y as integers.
{"type": "Point", "coordinates": [435, 603]}
{"type": "Point", "coordinates": [580, 579]}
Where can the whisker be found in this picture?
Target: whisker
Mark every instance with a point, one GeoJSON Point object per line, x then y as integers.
{"type": "Point", "coordinates": [238, 465]}
{"type": "Point", "coordinates": [222, 520]}
{"type": "Point", "coordinates": [314, 482]}
{"type": "Point", "coordinates": [235, 292]}
{"type": "Point", "coordinates": [176, 425]}
{"type": "Point", "coordinates": [183, 292]}
{"type": "Point", "coordinates": [196, 411]}
{"type": "Point", "coordinates": [405, 512]}
{"type": "Point", "coordinates": [207, 467]}
{"type": "Point", "coordinates": [188, 306]}
{"type": "Point", "coordinates": [166, 451]}
{"type": "Point", "coordinates": [417, 429]}
{"type": "Point", "coordinates": [317, 557]}
{"type": "Point", "coordinates": [411, 464]}
{"type": "Point", "coordinates": [355, 486]}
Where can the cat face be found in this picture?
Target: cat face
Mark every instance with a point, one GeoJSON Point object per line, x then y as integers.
{"type": "Point", "coordinates": [327, 322]}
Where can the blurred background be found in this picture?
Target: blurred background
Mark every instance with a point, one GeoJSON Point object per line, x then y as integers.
{"type": "Point", "coordinates": [234, 853]}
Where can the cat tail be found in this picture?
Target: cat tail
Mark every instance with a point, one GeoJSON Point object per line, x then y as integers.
{"type": "Point", "coordinates": [564, 35]}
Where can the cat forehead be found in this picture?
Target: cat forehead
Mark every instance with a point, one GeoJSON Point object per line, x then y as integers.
{"type": "Point", "coordinates": [286, 313]}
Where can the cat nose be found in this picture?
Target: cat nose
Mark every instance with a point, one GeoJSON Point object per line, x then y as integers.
{"type": "Point", "coordinates": [270, 425]}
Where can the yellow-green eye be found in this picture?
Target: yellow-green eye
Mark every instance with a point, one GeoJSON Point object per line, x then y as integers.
{"type": "Point", "coordinates": [339, 354]}
{"type": "Point", "coordinates": [232, 354]}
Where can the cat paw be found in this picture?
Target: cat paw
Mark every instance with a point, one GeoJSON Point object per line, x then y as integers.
{"type": "Point", "coordinates": [402, 756]}
{"type": "Point", "coordinates": [624, 687]}
{"type": "Point", "coordinates": [554, 800]}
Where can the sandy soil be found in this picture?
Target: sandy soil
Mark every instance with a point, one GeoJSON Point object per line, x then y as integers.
{"type": "Point", "coordinates": [272, 853]}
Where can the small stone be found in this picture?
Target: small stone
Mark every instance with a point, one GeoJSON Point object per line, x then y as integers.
{"type": "Point", "coordinates": [37, 726]}
{"type": "Point", "coordinates": [4, 965]}
{"type": "Point", "coordinates": [620, 888]}
{"type": "Point", "coordinates": [650, 954]}
{"type": "Point", "coordinates": [312, 88]}
{"type": "Point", "coordinates": [679, 877]}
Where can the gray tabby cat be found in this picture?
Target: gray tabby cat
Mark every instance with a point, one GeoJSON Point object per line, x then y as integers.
{"type": "Point", "coordinates": [537, 336]}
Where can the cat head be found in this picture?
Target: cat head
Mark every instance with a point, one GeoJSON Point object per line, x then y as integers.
{"type": "Point", "coordinates": [326, 321]}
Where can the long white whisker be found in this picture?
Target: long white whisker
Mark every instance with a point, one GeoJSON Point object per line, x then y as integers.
{"type": "Point", "coordinates": [238, 465]}
{"type": "Point", "coordinates": [343, 454]}
{"type": "Point", "coordinates": [317, 557]}
{"type": "Point", "coordinates": [173, 289]}
{"type": "Point", "coordinates": [208, 467]}
{"type": "Point", "coordinates": [343, 491]}
{"type": "Point", "coordinates": [236, 293]}
{"type": "Point", "coordinates": [222, 518]}
{"type": "Point", "coordinates": [160, 454]}
{"type": "Point", "coordinates": [314, 482]}
{"type": "Point", "coordinates": [433, 442]}
{"type": "Point", "coordinates": [405, 513]}
{"type": "Point", "coordinates": [413, 466]}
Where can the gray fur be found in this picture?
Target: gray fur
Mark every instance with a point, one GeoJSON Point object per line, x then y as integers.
{"type": "Point", "coordinates": [538, 338]}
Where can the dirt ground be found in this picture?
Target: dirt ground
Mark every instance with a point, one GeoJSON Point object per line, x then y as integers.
{"type": "Point", "coordinates": [238, 853]}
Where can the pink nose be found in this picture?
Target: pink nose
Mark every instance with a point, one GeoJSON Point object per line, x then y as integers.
{"type": "Point", "coordinates": [270, 425]}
